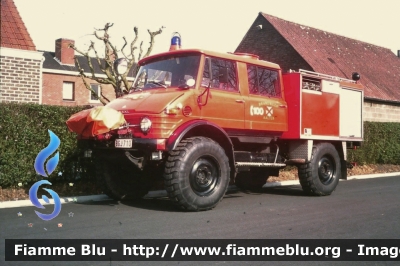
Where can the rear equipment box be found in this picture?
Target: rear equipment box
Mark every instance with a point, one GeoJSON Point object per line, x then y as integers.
{"type": "Point", "coordinates": [323, 107]}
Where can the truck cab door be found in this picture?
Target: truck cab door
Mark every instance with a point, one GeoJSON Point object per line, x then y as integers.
{"type": "Point", "coordinates": [219, 98]}
{"type": "Point", "coordinates": [265, 107]}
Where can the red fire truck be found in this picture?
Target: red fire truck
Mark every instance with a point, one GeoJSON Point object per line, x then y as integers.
{"type": "Point", "coordinates": [199, 120]}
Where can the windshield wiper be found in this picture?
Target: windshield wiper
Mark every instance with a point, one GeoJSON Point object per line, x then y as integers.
{"type": "Point", "coordinates": [157, 83]}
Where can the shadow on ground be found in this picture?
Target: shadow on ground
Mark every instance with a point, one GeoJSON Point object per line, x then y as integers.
{"type": "Point", "coordinates": [164, 204]}
{"type": "Point", "coordinates": [294, 191]}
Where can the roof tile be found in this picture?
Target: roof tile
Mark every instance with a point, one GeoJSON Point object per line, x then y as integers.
{"type": "Point", "coordinates": [340, 56]}
{"type": "Point", "coordinates": [14, 34]}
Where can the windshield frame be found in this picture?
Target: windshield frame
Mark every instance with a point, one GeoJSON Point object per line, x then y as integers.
{"type": "Point", "coordinates": [167, 71]}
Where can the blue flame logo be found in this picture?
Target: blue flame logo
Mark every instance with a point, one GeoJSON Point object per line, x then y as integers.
{"type": "Point", "coordinates": [35, 200]}
{"type": "Point", "coordinates": [45, 153]}
{"type": "Point", "coordinates": [50, 167]}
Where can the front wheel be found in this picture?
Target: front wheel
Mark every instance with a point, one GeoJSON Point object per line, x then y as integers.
{"type": "Point", "coordinates": [120, 179]}
{"type": "Point", "coordinates": [197, 174]}
{"type": "Point", "coordinates": [321, 174]}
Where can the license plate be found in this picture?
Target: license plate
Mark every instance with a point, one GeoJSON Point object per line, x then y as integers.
{"type": "Point", "coordinates": [123, 143]}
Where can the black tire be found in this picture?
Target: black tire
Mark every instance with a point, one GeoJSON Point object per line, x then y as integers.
{"type": "Point", "coordinates": [197, 174]}
{"type": "Point", "coordinates": [321, 175]}
{"type": "Point", "coordinates": [121, 180]}
{"type": "Point", "coordinates": [252, 180]}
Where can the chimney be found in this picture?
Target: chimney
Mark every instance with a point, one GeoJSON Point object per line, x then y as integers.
{"type": "Point", "coordinates": [398, 53]}
{"type": "Point", "coordinates": [64, 54]}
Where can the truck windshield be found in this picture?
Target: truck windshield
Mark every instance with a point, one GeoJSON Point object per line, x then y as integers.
{"type": "Point", "coordinates": [170, 71]}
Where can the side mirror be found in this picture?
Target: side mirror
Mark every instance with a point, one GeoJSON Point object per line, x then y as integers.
{"type": "Point", "coordinates": [223, 75]}
{"type": "Point", "coordinates": [120, 65]}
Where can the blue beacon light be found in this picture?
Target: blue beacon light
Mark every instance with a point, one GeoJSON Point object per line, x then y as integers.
{"type": "Point", "coordinates": [175, 42]}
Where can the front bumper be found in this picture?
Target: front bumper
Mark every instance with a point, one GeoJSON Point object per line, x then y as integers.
{"type": "Point", "coordinates": [143, 146]}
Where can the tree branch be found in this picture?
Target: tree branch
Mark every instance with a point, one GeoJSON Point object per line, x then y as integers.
{"type": "Point", "coordinates": [106, 65]}
{"type": "Point", "coordinates": [102, 95]}
{"type": "Point", "coordinates": [133, 47]}
{"type": "Point", "coordinates": [87, 85]}
{"type": "Point", "coordinates": [110, 80]}
{"type": "Point", "coordinates": [122, 49]}
{"type": "Point", "coordinates": [152, 35]}
{"type": "Point", "coordinates": [99, 80]}
{"type": "Point", "coordinates": [140, 51]}
{"type": "Point", "coordinates": [97, 58]}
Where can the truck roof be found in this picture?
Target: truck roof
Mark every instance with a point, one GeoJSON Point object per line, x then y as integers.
{"type": "Point", "coordinates": [241, 57]}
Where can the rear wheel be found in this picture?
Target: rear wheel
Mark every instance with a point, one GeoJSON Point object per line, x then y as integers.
{"type": "Point", "coordinates": [321, 175]}
{"type": "Point", "coordinates": [197, 174]}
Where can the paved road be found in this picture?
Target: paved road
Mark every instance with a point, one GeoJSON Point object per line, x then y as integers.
{"type": "Point", "coordinates": [364, 209]}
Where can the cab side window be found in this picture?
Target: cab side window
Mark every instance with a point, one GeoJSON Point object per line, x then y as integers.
{"type": "Point", "coordinates": [214, 68]}
{"type": "Point", "coordinates": [263, 81]}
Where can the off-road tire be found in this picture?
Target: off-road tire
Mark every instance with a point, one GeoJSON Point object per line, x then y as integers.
{"type": "Point", "coordinates": [197, 174]}
{"type": "Point", "coordinates": [321, 174]}
{"type": "Point", "coordinates": [252, 180]}
{"type": "Point", "coordinates": [121, 180]}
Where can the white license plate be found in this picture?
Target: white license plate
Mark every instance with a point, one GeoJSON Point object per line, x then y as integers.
{"type": "Point", "coordinates": [123, 143]}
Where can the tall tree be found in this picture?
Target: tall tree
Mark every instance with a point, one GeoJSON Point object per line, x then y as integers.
{"type": "Point", "coordinates": [119, 81]}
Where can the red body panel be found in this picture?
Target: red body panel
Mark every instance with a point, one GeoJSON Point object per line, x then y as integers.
{"type": "Point", "coordinates": [311, 113]}
{"type": "Point", "coordinates": [320, 113]}
{"type": "Point", "coordinates": [291, 84]}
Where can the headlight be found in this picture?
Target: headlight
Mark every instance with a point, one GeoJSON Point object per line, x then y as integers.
{"type": "Point", "coordinates": [145, 124]}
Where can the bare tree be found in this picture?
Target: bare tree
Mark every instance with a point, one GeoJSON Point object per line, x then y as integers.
{"type": "Point", "coordinates": [106, 64]}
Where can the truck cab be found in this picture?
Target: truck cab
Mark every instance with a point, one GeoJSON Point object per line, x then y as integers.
{"type": "Point", "coordinates": [185, 85]}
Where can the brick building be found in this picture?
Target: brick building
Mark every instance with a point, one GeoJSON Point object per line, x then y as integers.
{"type": "Point", "coordinates": [62, 84]}
{"type": "Point", "coordinates": [43, 77]}
{"type": "Point", "coordinates": [295, 46]}
{"type": "Point", "coordinates": [20, 63]}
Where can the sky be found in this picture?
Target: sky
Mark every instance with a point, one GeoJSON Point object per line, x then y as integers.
{"type": "Point", "coordinates": [207, 24]}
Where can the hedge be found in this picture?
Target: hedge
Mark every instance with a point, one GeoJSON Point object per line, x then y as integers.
{"type": "Point", "coordinates": [381, 144]}
{"type": "Point", "coordinates": [24, 133]}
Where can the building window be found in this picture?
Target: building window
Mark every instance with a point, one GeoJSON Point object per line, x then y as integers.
{"type": "Point", "coordinates": [93, 97]}
{"type": "Point", "coordinates": [213, 68]}
{"type": "Point", "coordinates": [68, 91]}
{"type": "Point", "coordinates": [263, 81]}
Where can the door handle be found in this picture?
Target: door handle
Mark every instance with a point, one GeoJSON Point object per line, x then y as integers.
{"type": "Point", "coordinates": [240, 101]}
{"type": "Point", "coordinates": [282, 106]}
